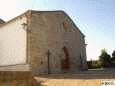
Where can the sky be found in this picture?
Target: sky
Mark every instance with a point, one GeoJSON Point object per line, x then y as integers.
{"type": "Point", "coordinates": [95, 18]}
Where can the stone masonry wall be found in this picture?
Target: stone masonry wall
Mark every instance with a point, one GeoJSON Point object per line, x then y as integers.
{"type": "Point", "coordinates": [53, 39]}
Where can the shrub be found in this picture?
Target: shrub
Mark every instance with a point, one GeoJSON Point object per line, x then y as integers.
{"type": "Point", "coordinates": [104, 59]}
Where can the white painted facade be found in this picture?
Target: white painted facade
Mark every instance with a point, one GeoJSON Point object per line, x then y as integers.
{"type": "Point", "coordinates": [13, 43]}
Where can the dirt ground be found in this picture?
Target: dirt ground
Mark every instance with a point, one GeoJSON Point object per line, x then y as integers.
{"type": "Point", "coordinates": [93, 77]}
{"type": "Point", "coordinates": [83, 78]}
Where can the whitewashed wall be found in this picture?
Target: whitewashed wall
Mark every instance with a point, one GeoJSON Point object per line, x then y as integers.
{"type": "Point", "coordinates": [13, 43]}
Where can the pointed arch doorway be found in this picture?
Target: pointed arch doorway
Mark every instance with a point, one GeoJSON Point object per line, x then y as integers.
{"type": "Point", "coordinates": [65, 63]}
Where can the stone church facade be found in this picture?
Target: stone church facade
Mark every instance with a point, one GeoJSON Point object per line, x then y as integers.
{"type": "Point", "coordinates": [44, 42]}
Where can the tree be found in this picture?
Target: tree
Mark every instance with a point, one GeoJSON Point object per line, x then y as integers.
{"type": "Point", "coordinates": [113, 55]}
{"type": "Point", "coordinates": [104, 59]}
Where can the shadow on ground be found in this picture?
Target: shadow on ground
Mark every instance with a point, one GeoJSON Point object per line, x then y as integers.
{"type": "Point", "coordinates": [90, 74]}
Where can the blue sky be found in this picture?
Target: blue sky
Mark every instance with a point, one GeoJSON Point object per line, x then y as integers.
{"type": "Point", "coordinates": [95, 18]}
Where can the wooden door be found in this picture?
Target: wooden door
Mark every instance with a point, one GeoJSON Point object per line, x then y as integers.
{"type": "Point", "coordinates": [65, 62]}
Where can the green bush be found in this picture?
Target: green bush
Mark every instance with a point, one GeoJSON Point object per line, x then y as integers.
{"type": "Point", "coordinates": [113, 55]}
{"type": "Point", "coordinates": [105, 59]}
